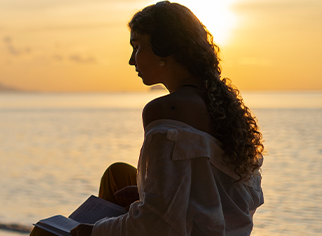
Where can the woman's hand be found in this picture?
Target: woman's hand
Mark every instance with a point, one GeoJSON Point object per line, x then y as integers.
{"type": "Point", "coordinates": [82, 230]}
{"type": "Point", "coordinates": [129, 192]}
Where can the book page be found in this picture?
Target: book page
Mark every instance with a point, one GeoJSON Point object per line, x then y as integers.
{"type": "Point", "coordinates": [58, 225]}
{"type": "Point", "coordinates": [94, 209]}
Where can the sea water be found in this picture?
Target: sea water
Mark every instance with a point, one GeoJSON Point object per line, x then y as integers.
{"type": "Point", "coordinates": [55, 147]}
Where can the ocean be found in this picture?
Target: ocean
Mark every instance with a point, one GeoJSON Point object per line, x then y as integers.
{"type": "Point", "coordinates": [55, 147]}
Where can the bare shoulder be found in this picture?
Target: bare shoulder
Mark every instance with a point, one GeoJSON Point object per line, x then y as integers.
{"type": "Point", "coordinates": [185, 105]}
{"type": "Point", "coordinates": [159, 108]}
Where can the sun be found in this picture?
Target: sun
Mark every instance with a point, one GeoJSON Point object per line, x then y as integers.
{"type": "Point", "coordinates": [216, 15]}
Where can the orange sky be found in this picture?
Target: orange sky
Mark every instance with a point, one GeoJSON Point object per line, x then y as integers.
{"type": "Point", "coordinates": [83, 45]}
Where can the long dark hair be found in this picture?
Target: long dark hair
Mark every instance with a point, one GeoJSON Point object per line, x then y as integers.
{"type": "Point", "coordinates": [233, 123]}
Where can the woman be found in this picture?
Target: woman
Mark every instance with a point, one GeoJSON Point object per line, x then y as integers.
{"type": "Point", "coordinates": [198, 172]}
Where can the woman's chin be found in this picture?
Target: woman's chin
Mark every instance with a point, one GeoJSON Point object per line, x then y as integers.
{"type": "Point", "coordinates": [148, 83]}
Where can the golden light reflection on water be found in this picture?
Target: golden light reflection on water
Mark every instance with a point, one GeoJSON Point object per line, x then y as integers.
{"type": "Point", "coordinates": [283, 99]}
{"type": "Point", "coordinates": [292, 178]}
{"type": "Point", "coordinates": [259, 99]}
{"type": "Point", "coordinates": [78, 100]}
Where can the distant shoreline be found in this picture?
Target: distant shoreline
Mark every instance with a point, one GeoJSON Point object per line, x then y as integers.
{"type": "Point", "coordinates": [16, 228]}
{"type": "Point", "coordinates": [7, 89]}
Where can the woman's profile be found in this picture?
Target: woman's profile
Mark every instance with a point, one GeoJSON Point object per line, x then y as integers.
{"type": "Point", "coordinates": [198, 170]}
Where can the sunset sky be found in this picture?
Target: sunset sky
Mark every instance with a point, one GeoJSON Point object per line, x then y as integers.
{"type": "Point", "coordinates": [83, 45]}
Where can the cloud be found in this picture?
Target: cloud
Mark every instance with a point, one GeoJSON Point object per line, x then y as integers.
{"type": "Point", "coordinates": [39, 5]}
{"type": "Point", "coordinates": [68, 26]}
{"type": "Point", "coordinates": [284, 13]}
{"type": "Point", "coordinates": [253, 61]}
{"type": "Point", "coordinates": [299, 6]}
{"type": "Point", "coordinates": [84, 60]}
{"type": "Point", "coordinates": [14, 50]}
{"type": "Point", "coordinates": [58, 57]}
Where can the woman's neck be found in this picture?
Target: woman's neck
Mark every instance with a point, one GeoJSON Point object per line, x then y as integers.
{"type": "Point", "coordinates": [177, 75]}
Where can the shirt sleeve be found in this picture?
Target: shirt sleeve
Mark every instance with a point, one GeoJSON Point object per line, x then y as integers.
{"type": "Point", "coordinates": [145, 217]}
{"type": "Point", "coordinates": [170, 201]}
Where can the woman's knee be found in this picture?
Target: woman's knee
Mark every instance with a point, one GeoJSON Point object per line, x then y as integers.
{"type": "Point", "coordinates": [121, 167]}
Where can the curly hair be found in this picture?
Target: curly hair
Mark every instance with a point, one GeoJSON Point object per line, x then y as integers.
{"type": "Point", "coordinates": [233, 123]}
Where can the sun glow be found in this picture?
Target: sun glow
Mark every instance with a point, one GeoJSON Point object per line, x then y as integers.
{"type": "Point", "coordinates": [216, 15]}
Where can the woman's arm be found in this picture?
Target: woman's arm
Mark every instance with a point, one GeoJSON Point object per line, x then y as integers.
{"type": "Point", "coordinates": [147, 217]}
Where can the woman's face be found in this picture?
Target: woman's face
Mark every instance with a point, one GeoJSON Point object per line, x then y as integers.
{"type": "Point", "coordinates": [145, 61]}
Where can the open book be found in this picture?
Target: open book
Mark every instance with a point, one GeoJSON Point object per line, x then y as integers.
{"type": "Point", "coordinates": [92, 210]}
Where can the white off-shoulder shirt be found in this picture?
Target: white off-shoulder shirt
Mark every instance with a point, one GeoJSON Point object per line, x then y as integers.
{"type": "Point", "coordinates": [185, 188]}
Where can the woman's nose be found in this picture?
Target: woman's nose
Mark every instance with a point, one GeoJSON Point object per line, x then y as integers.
{"type": "Point", "coordinates": [132, 60]}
